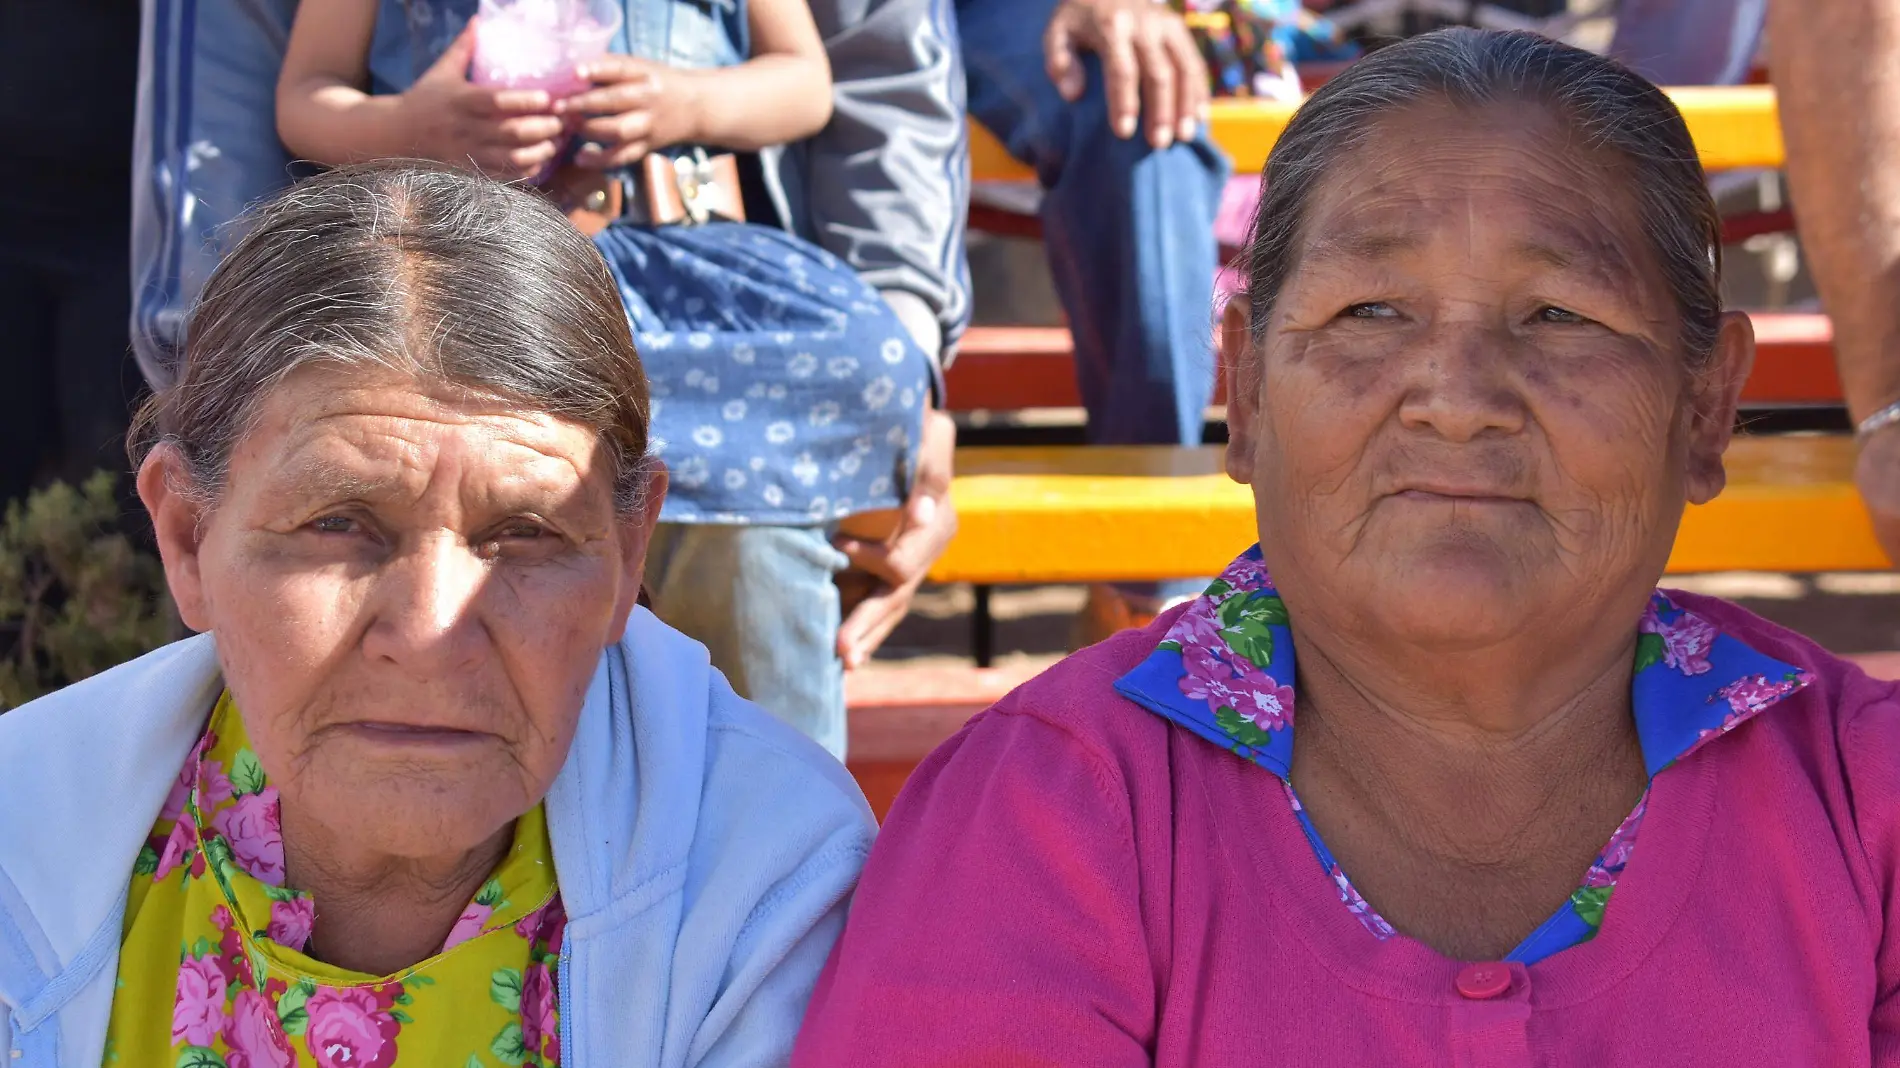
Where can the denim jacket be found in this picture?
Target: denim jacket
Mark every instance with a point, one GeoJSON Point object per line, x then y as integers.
{"type": "Point", "coordinates": [884, 186]}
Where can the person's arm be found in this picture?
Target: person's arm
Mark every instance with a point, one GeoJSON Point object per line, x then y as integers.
{"type": "Point", "coordinates": [782, 93]}
{"type": "Point", "coordinates": [885, 185]}
{"type": "Point", "coordinates": [885, 188]}
{"type": "Point", "coordinates": [999, 920]}
{"type": "Point", "coordinates": [1836, 69]}
{"type": "Point", "coordinates": [324, 113]}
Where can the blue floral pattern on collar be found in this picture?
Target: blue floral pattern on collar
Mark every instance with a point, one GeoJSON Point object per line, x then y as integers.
{"type": "Point", "coordinates": [1225, 671]}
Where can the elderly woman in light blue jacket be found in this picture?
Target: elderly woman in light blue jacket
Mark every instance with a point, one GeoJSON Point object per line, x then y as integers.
{"type": "Point", "coordinates": [430, 788]}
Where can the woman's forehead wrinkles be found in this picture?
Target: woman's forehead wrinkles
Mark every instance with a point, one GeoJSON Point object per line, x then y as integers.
{"type": "Point", "coordinates": [370, 459]}
{"type": "Point", "coordinates": [1567, 237]}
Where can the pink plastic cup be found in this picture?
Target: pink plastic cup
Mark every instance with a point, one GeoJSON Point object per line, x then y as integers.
{"type": "Point", "coordinates": [537, 44]}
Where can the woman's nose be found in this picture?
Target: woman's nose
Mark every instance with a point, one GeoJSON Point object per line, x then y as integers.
{"type": "Point", "coordinates": [426, 617]}
{"type": "Point", "coordinates": [1462, 384]}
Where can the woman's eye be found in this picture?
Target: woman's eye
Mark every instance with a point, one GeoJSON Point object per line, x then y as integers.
{"type": "Point", "coordinates": [517, 535]}
{"type": "Point", "coordinates": [1371, 309]}
{"type": "Point", "coordinates": [1549, 314]}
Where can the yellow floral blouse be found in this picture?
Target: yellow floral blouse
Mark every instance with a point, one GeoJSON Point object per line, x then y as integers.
{"type": "Point", "coordinates": [212, 969]}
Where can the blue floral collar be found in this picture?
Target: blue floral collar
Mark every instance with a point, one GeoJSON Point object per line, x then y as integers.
{"type": "Point", "coordinates": [1225, 671]}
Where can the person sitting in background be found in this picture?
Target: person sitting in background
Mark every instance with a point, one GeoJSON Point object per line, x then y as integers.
{"type": "Point", "coordinates": [1109, 107]}
{"type": "Point", "coordinates": [788, 397]}
{"type": "Point", "coordinates": [1539, 811]}
{"type": "Point", "coordinates": [429, 787]}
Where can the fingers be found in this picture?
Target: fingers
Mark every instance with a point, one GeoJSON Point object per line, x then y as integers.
{"type": "Point", "coordinates": [1059, 56]}
{"type": "Point", "coordinates": [1158, 83]}
{"type": "Point", "coordinates": [614, 99]}
{"type": "Point", "coordinates": [1191, 80]}
{"type": "Point", "coordinates": [1121, 71]}
{"type": "Point", "coordinates": [613, 67]}
{"type": "Point", "coordinates": [615, 129]}
{"type": "Point", "coordinates": [606, 157]}
{"type": "Point", "coordinates": [526, 130]}
{"type": "Point", "coordinates": [501, 103]}
{"type": "Point", "coordinates": [614, 140]}
{"type": "Point", "coordinates": [510, 163]}
{"type": "Point", "coordinates": [872, 621]}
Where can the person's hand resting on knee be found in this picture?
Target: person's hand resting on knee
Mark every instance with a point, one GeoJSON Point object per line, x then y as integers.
{"type": "Point", "coordinates": [1149, 61]}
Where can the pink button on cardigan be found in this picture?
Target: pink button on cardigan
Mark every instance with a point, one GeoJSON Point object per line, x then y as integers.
{"type": "Point", "coordinates": [1073, 880]}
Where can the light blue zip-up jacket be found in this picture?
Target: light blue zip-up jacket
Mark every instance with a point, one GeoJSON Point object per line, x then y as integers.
{"type": "Point", "coordinates": [705, 852]}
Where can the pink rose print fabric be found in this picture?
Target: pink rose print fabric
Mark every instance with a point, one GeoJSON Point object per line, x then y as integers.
{"type": "Point", "coordinates": [214, 931]}
{"type": "Point", "coordinates": [253, 1035]}
{"type": "Point", "coordinates": [250, 825]}
{"type": "Point", "coordinates": [1226, 672]}
{"type": "Point", "coordinates": [350, 1028]}
{"type": "Point", "coordinates": [198, 1011]}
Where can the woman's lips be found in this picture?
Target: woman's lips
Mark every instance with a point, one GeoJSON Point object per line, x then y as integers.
{"type": "Point", "coordinates": [411, 736]}
{"type": "Point", "coordinates": [1456, 496]}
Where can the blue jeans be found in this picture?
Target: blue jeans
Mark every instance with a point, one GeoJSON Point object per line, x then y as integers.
{"type": "Point", "coordinates": [1129, 233]}
{"type": "Point", "coordinates": [761, 599]}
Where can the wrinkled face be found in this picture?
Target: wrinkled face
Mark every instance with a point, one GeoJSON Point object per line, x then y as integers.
{"type": "Point", "coordinates": [1471, 413]}
{"type": "Point", "coordinates": [410, 590]}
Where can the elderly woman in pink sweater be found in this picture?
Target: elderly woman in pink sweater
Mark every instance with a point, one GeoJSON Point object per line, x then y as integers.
{"type": "Point", "coordinates": [1538, 811]}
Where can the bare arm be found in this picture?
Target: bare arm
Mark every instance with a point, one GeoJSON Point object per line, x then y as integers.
{"type": "Point", "coordinates": [781, 94]}
{"type": "Point", "coordinates": [325, 114]}
{"type": "Point", "coordinates": [1837, 70]}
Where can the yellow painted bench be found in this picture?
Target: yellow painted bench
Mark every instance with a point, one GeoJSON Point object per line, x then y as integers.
{"type": "Point", "coordinates": [1734, 127]}
{"type": "Point", "coordinates": [1049, 514]}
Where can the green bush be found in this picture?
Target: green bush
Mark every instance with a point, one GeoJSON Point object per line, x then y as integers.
{"type": "Point", "coordinates": [76, 596]}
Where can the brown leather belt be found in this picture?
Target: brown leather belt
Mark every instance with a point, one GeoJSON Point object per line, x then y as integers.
{"type": "Point", "coordinates": [663, 191]}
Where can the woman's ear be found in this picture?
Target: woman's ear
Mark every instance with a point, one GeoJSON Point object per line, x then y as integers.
{"type": "Point", "coordinates": [1714, 395]}
{"type": "Point", "coordinates": [178, 522]}
{"type": "Point", "coordinates": [1240, 368]}
{"type": "Point", "coordinates": [636, 535]}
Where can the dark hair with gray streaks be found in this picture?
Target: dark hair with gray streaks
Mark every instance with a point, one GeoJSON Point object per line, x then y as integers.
{"type": "Point", "coordinates": [414, 268]}
{"type": "Point", "coordinates": [1609, 109]}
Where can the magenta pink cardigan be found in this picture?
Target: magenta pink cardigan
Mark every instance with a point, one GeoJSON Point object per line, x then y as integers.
{"type": "Point", "coordinates": [1073, 880]}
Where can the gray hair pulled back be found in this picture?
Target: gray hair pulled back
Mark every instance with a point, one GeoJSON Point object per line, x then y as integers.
{"type": "Point", "coordinates": [1607, 107]}
{"type": "Point", "coordinates": [416, 269]}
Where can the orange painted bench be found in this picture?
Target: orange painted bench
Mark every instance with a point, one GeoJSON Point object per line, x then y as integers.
{"type": "Point", "coordinates": [1006, 368]}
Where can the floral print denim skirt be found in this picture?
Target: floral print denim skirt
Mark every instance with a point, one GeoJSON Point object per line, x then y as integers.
{"type": "Point", "coordinates": [785, 391]}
